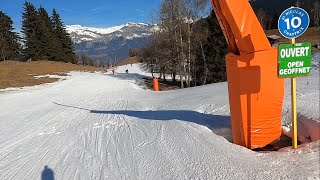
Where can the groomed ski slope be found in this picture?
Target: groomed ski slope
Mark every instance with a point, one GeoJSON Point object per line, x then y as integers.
{"type": "Point", "coordinates": [104, 126]}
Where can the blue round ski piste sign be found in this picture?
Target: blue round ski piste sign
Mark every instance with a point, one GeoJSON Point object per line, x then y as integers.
{"type": "Point", "coordinates": [293, 22]}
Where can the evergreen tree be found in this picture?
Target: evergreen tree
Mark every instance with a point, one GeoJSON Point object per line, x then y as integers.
{"type": "Point", "coordinates": [30, 25]}
{"type": "Point", "coordinates": [62, 41]}
{"type": "Point", "coordinates": [9, 46]}
{"type": "Point", "coordinates": [45, 35]}
{"type": "Point", "coordinates": [215, 50]}
{"type": "Point", "coordinates": [214, 68]}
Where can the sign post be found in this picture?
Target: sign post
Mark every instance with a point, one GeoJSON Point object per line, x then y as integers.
{"type": "Point", "coordinates": [294, 59]}
{"type": "Point", "coordinates": [294, 108]}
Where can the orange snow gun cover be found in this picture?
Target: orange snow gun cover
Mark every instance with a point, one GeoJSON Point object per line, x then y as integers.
{"type": "Point", "coordinates": [255, 91]}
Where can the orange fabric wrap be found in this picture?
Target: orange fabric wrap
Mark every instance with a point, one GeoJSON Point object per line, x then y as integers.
{"type": "Point", "coordinates": [243, 24]}
{"type": "Point", "coordinates": [255, 96]}
{"type": "Point", "coordinates": [255, 91]}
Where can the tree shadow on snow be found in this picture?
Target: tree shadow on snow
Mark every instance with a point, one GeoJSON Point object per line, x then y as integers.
{"type": "Point", "coordinates": [219, 124]}
{"type": "Point", "coordinates": [127, 76]}
{"type": "Point", "coordinates": [137, 78]}
{"type": "Point", "coordinates": [209, 120]}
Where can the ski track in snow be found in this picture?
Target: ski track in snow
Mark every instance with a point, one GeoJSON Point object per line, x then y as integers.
{"type": "Point", "coordinates": [103, 126]}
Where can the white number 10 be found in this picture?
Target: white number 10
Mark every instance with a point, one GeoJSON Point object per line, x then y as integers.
{"type": "Point", "coordinates": [295, 22]}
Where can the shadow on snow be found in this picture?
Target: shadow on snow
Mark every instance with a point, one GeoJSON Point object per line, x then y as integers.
{"type": "Point", "coordinates": [219, 124]}
{"type": "Point", "coordinates": [47, 174]}
{"type": "Point", "coordinates": [209, 120]}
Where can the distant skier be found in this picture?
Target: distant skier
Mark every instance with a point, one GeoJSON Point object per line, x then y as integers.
{"type": "Point", "coordinates": [113, 71]}
{"type": "Point", "coordinates": [127, 71]}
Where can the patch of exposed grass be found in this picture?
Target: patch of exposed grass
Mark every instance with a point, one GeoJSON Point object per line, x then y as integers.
{"type": "Point", "coordinates": [19, 74]}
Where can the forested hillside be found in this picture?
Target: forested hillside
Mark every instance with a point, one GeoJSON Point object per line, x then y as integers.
{"type": "Point", "coordinates": [268, 11]}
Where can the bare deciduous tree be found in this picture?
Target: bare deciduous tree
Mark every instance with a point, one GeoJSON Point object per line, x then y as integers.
{"type": "Point", "coordinates": [174, 48]}
{"type": "Point", "coordinates": [316, 13]}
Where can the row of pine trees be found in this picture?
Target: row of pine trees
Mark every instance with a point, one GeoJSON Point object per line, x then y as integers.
{"type": "Point", "coordinates": [42, 37]}
{"type": "Point", "coordinates": [9, 40]}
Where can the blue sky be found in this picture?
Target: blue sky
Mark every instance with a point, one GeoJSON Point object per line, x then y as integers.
{"type": "Point", "coordinates": [93, 13]}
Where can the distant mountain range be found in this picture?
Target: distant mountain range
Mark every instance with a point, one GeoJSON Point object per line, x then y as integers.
{"type": "Point", "coordinates": [110, 43]}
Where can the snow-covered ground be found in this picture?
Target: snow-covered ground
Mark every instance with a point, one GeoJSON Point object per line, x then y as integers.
{"type": "Point", "coordinates": [104, 126]}
{"type": "Point", "coordinates": [307, 105]}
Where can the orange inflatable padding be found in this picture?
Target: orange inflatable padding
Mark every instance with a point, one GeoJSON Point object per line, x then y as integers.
{"type": "Point", "coordinates": [240, 26]}
{"type": "Point", "coordinates": [155, 84]}
{"type": "Point", "coordinates": [256, 96]}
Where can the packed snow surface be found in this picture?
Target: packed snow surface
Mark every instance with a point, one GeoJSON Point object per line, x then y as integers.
{"type": "Point", "coordinates": [104, 126]}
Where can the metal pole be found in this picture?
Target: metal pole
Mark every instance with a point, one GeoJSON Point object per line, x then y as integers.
{"type": "Point", "coordinates": [294, 108]}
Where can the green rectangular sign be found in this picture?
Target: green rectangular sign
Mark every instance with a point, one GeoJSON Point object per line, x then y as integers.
{"type": "Point", "coordinates": [294, 60]}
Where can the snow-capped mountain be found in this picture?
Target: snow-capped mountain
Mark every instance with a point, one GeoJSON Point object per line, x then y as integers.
{"type": "Point", "coordinates": [109, 43]}
{"type": "Point", "coordinates": [128, 31]}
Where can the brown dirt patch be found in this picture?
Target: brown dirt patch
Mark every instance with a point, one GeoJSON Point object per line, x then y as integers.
{"type": "Point", "coordinates": [19, 74]}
